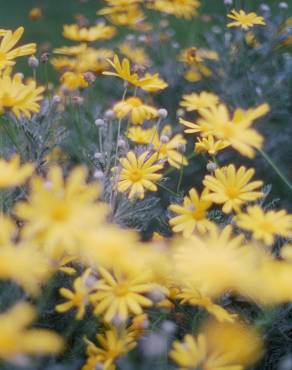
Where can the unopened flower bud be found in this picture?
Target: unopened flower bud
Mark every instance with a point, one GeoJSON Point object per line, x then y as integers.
{"type": "Point", "coordinates": [168, 327]}
{"type": "Point", "coordinates": [98, 175]}
{"type": "Point", "coordinates": [211, 166]}
{"type": "Point", "coordinates": [99, 122]}
{"type": "Point", "coordinates": [121, 143]}
{"type": "Point", "coordinates": [33, 62]}
{"type": "Point", "coordinates": [56, 99]}
{"type": "Point", "coordinates": [156, 295]}
{"type": "Point", "coordinates": [89, 77]}
{"type": "Point", "coordinates": [153, 345]}
{"type": "Point", "coordinates": [228, 2]}
{"type": "Point", "coordinates": [98, 155]}
{"type": "Point", "coordinates": [109, 115]}
{"type": "Point", "coordinates": [77, 100]}
{"type": "Point", "coordinates": [283, 5]}
{"type": "Point", "coordinates": [162, 113]}
{"type": "Point", "coordinates": [164, 139]}
{"type": "Point", "coordinates": [180, 112]}
{"type": "Point", "coordinates": [44, 58]}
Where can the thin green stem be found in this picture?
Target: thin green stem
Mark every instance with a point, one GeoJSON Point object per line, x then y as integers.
{"type": "Point", "coordinates": [275, 168]}
{"type": "Point", "coordinates": [181, 172]}
{"type": "Point", "coordinates": [172, 169]}
{"type": "Point", "coordinates": [167, 189]}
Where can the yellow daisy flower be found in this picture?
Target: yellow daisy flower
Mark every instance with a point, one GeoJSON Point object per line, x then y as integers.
{"type": "Point", "coordinates": [194, 101]}
{"type": "Point", "coordinates": [138, 173]}
{"type": "Point", "coordinates": [231, 187]}
{"type": "Point", "coordinates": [73, 81]}
{"type": "Point", "coordinates": [137, 55]}
{"type": "Point", "coordinates": [210, 145]}
{"type": "Point", "coordinates": [265, 225]}
{"type": "Point", "coordinates": [179, 8]}
{"type": "Point", "coordinates": [139, 135]}
{"type": "Point", "coordinates": [12, 173]}
{"type": "Point", "coordinates": [244, 20]}
{"type": "Point", "coordinates": [111, 345]}
{"type": "Point", "coordinates": [7, 53]}
{"type": "Point", "coordinates": [137, 111]}
{"type": "Point", "coordinates": [98, 32]}
{"type": "Point", "coordinates": [119, 296]}
{"type": "Point", "coordinates": [78, 298]}
{"type": "Point", "coordinates": [17, 339]}
{"type": "Point", "coordinates": [193, 296]}
{"type": "Point", "coordinates": [20, 98]}
{"type": "Point", "coordinates": [192, 214]}
{"type": "Point", "coordinates": [69, 211]}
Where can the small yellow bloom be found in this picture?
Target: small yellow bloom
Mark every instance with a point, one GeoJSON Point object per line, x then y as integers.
{"type": "Point", "coordinates": [16, 339]}
{"type": "Point", "coordinates": [79, 298]}
{"type": "Point", "coordinates": [12, 173]}
{"type": "Point", "coordinates": [97, 32]}
{"type": "Point", "coordinates": [137, 111]}
{"type": "Point", "coordinates": [35, 14]}
{"type": "Point", "coordinates": [265, 225]}
{"type": "Point", "coordinates": [210, 145]}
{"type": "Point", "coordinates": [139, 135]}
{"type": "Point", "coordinates": [244, 20]}
{"type": "Point", "coordinates": [137, 55]}
{"type": "Point", "coordinates": [111, 345]}
{"type": "Point", "coordinates": [139, 173]}
{"type": "Point", "coordinates": [194, 101]}
{"type": "Point", "coordinates": [119, 295]}
{"type": "Point", "coordinates": [192, 214]}
{"type": "Point", "coordinates": [231, 187]}
{"type": "Point", "coordinates": [73, 81]}
{"type": "Point", "coordinates": [20, 98]}
{"type": "Point", "coordinates": [9, 40]}
{"type": "Point", "coordinates": [148, 82]}
{"type": "Point", "coordinates": [179, 8]}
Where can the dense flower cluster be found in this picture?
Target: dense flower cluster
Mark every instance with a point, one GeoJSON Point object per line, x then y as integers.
{"type": "Point", "coordinates": [191, 284]}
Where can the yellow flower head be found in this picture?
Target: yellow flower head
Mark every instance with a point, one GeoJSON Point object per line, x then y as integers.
{"type": "Point", "coordinates": [20, 98]}
{"type": "Point", "coordinates": [244, 20]}
{"type": "Point", "coordinates": [148, 82]}
{"type": "Point", "coordinates": [137, 111]}
{"type": "Point", "coordinates": [16, 339]}
{"type": "Point", "coordinates": [231, 187]}
{"type": "Point", "coordinates": [194, 101]}
{"type": "Point", "coordinates": [7, 53]}
{"type": "Point", "coordinates": [210, 145]}
{"type": "Point", "coordinates": [139, 173]}
{"type": "Point", "coordinates": [112, 344]}
{"type": "Point", "coordinates": [139, 135]}
{"type": "Point", "coordinates": [12, 173]}
{"type": "Point", "coordinates": [137, 55]}
{"type": "Point", "coordinates": [97, 32]}
{"type": "Point", "coordinates": [179, 8]}
{"type": "Point", "coordinates": [73, 81]}
{"type": "Point", "coordinates": [69, 210]}
{"type": "Point", "coordinates": [265, 225]}
{"type": "Point", "coordinates": [119, 295]}
{"type": "Point", "coordinates": [192, 215]}
{"type": "Point", "coordinates": [78, 298]}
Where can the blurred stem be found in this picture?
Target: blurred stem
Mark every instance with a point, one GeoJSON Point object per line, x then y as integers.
{"type": "Point", "coordinates": [119, 130]}
{"type": "Point", "coordinates": [181, 172]}
{"type": "Point", "coordinates": [11, 136]}
{"type": "Point", "coordinates": [172, 169]}
{"type": "Point", "coordinates": [47, 82]}
{"type": "Point", "coordinates": [275, 168]}
{"type": "Point", "coordinates": [167, 189]}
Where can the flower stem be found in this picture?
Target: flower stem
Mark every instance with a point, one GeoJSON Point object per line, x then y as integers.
{"type": "Point", "coordinates": [275, 168]}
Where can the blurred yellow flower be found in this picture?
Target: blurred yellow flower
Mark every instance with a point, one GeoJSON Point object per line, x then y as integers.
{"type": "Point", "coordinates": [20, 98]}
{"type": "Point", "coordinates": [192, 215]}
{"type": "Point", "coordinates": [17, 340]}
{"type": "Point", "coordinates": [265, 225]}
{"type": "Point", "coordinates": [12, 173]}
{"type": "Point", "coordinates": [98, 32]}
{"type": "Point", "coordinates": [139, 135]}
{"type": "Point", "coordinates": [180, 8]}
{"type": "Point", "coordinates": [231, 187]}
{"type": "Point", "coordinates": [69, 210]}
{"type": "Point", "coordinates": [9, 40]}
{"type": "Point", "coordinates": [137, 111]}
{"type": "Point", "coordinates": [210, 145]}
{"type": "Point", "coordinates": [138, 173]}
{"type": "Point", "coordinates": [244, 20]}
{"type": "Point", "coordinates": [119, 296]}
{"type": "Point", "coordinates": [194, 101]}
{"type": "Point", "coordinates": [112, 345]}
{"type": "Point", "coordinates": [137, 55]}
{"type": "Point", "coordinates": [73, 81]}
{"type": "Point", "coordinates": [79, 298]}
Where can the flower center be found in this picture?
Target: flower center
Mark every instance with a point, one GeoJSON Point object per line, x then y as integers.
{"type": "Point", "coordinates": [135, 102]}
{"type": "Point", "coordinates": [60, 212]}
{"type": "Point", "coordinates": [121, 290]}
{"type": "Point", "coordinates": [136, 175]}
{"type": "Point", "coordinates": [232, 192]}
